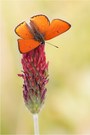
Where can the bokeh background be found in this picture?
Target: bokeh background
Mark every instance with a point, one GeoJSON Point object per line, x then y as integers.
{"type": "Point", "coordinates": [67, 104]}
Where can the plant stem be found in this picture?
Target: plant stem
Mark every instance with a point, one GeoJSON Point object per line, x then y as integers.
{"type": "Point", "coordinates": [36, 125]}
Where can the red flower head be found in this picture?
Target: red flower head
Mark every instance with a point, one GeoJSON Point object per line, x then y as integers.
{"type": "Point", "coordinates": [35, 75]}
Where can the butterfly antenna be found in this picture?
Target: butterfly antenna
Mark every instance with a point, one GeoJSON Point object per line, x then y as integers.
{"type": "Point", "coordinates": [52, 44]}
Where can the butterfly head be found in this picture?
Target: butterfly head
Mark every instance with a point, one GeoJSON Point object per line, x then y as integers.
{"type": "Point", "coordinates": [38, 37]}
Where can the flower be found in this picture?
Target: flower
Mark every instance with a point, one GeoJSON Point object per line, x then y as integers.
{"type": "Point", "coordinates": [35, 75]}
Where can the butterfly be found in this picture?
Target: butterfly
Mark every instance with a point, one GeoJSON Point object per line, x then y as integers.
{"type": "Point", "coordinates": [40, 30]}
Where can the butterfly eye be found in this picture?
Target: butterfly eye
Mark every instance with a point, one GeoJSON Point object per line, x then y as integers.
{"type": "Point", "coordinates": [42, 42]}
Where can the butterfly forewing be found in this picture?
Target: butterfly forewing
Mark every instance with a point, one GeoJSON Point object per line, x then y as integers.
{"type": "Point", "coordinates": [41, 22]}
{"type": "Point", "coordinates": [23, 30]}
{"type": "Point", "coordinates": [56, 28]}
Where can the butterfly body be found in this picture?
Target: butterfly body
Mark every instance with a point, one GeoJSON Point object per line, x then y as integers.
{"type": "Point", "coordinates": [37, 35]}
{"type": "Point", "coordinates": [38, 32]}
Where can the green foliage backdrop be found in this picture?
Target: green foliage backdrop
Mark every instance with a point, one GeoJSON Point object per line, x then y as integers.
{"type": "Point", "coordinates": [67, 104]}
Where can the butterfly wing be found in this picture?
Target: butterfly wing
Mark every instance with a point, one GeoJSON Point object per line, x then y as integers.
{"type": "Point", "coordinates": [56, 28]}
{"type": "Point", "coordinates": [41, 22]}
{"type": "Point", "coordinates": [23, 30]}
{"type": "Point", "coordinates": [26, 45]}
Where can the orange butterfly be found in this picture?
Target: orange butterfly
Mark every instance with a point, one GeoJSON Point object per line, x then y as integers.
{"type": "Point", "coordinates": [40, 29]}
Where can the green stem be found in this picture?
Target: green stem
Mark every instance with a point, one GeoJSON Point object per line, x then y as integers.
{"type": "Point", "coordinates": [36, 125]}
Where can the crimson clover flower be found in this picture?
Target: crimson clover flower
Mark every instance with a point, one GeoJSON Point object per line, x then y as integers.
{"type": "Point", "coordinates": [35, 75]}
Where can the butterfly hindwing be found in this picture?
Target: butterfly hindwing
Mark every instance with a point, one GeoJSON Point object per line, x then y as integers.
{"type": "Point", "coordinates": [56, 28]}
{"type": "Point", "coordinates": [23, 30]}
{"type": "Point", "coordinates": [26, 45]}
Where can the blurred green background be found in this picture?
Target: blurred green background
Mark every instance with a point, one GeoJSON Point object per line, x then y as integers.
{"type": "Point", "coordinates": [67, 104]}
